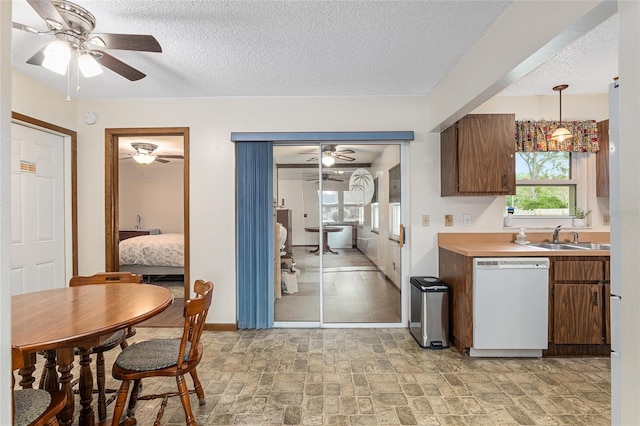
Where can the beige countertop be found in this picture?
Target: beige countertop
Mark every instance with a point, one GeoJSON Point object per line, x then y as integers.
{"type": "Point", "coordinates": [501, 244]}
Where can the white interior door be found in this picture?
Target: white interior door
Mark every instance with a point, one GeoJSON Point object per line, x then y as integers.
{"type": "Point", "coordinates": [37, 210]}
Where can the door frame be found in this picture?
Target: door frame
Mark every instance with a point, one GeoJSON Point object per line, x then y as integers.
{"type": "Point", "coordinates": [71, 192]}
{"type": "Point", "coordinates": [111, 193]}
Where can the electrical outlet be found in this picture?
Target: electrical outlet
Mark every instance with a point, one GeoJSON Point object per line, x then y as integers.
{"type": "Point", "coordinates": [466, 219]}
{"type": "Point", "coordinates": [606, 219]}
{"type": "Point", "coordinates": [448, 220]}
{"type": "Point", "coordinates": [425, 220]}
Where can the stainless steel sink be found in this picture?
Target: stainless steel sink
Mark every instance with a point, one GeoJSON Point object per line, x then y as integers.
{"type": "Point", "coordinates": [555, 246]}
{"type": "Point", "coordinates": [571, 246]}
{"type": "Point", "coordinates": [593, 246]}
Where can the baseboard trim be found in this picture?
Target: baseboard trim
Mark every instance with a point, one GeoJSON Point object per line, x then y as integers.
{"type": "Point", "coordinates": [221, 327]}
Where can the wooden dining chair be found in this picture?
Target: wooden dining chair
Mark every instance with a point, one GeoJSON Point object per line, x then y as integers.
{"type": "Point", "coordinates": [34, 407]}
{"type": "Point", "coordinates": [166, 357]}
{"type": "Point", "coordinates": [119, 338]}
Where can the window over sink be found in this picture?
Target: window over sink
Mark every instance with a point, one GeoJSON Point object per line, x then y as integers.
{"type": "Point", "coordinates": [547, 184]}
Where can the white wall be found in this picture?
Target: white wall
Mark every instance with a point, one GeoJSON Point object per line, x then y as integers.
{"type": "Point", "coordinates": [212, 170]}
{"type": "Point", "coordinates": [153, 191]}
{"type": "Point", "coordinates": [212, 163]}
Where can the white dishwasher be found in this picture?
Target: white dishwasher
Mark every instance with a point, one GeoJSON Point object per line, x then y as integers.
{"type": "Point", "coordinates": [510, 306]}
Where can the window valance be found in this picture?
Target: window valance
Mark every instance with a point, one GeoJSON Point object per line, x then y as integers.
{"type": "Point", "coordinates": [532, 136]}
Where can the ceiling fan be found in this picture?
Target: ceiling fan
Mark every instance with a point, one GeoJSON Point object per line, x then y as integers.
{"type": "Point", "coordinates": [330, 154]}
{"type": "Point", "coordinates": [325, 177]}
{"type": "Point", "coordinates": [144, 154]}
{"type": "Point", "coordinates": [72, 27]}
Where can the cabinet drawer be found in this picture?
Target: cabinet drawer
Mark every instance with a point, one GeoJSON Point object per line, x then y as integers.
{"type": "Point", "coordinates": [578, 270]}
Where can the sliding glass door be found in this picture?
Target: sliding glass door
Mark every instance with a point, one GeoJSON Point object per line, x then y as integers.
{"type": "Point", "coordinates": [341, 251]}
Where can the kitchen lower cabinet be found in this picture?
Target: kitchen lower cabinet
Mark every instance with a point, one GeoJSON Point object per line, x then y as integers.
{"type": "Point", "coordinates": [577, 312]}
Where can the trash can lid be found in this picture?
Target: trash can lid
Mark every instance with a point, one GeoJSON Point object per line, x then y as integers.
{"type": "Point", "coordinates": [429, 284]}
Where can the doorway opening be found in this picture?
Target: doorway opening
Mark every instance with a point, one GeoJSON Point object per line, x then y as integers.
{"type": "Point", "coordinates": [147, 203]}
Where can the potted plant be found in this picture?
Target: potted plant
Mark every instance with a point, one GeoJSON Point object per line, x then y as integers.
{"type": "Point", "coordinates": [580, 217]}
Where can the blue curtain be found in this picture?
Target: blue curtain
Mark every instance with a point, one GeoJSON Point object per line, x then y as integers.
{"type": "Point", "coordinates": [254, 234]}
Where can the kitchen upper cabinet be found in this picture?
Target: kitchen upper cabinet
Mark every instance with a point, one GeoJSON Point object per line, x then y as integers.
{"type": "Point", "coordinates": [602, 160]}
{"type": "Point", "coordinates": [477, 156]}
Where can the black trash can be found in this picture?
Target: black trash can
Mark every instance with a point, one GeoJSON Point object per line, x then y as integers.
{"type": "Point", "coordinates": [429, 317]}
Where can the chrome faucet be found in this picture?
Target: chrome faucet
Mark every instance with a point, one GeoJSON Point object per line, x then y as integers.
{"type": "Point", "coordinates": [556, 233]}
{"type": "Point", "coordinates": [575, 237]}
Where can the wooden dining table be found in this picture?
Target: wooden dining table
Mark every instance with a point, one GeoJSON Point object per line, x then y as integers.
{"type": "Point", "coordinates": [325, 237]}
{"type": "Point", "coordinates": [77, 317]}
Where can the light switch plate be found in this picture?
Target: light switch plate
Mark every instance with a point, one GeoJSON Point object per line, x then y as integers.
{"type": "Point", "coordinates": [448, 220]}
{"type": "Point", "coordinates": [466, 219]}
{"type": "Point", "coordinates": [606, 219]}
{"type": "Point", "coordinates": [425, 220]}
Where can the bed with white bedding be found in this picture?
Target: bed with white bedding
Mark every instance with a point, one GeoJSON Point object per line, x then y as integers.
{"type": "Point", "coordinates": [161, 254]}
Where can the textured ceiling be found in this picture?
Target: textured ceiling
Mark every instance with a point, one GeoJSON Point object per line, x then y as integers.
{"type": "Point", "coordinates": [305, 48]}
{"type": "Point", "coordinates": [274, 48]}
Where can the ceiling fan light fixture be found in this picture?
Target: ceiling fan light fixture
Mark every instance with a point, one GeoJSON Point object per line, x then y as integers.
{"type": "Point", "coordinates": [56, 57]}
{"type": "Point", "coordinates": [88, 65]}
{"type": "Point", "coordinates": [144, 157]}
{"type": "Point", "coordinates": [327, 159]}
{"type": "Point", "coordinates": [561, 133]}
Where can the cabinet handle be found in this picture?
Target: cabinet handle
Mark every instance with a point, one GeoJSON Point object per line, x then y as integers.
{"type": "Point", "coordinates": [595, 298]}
{"type": "Point", "coordinates": [505, 181]}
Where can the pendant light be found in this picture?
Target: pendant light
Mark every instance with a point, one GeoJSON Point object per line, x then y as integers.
{"type": "Point", "coordinates": [561, 133]}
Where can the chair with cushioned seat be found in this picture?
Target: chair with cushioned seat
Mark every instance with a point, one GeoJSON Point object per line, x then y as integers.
{"type": "Point", "coordinates": [166, 357]}
{"type": "Point", "coordinates": [116, 339]}
{"type": "Point", "coordinates": [34, 407]}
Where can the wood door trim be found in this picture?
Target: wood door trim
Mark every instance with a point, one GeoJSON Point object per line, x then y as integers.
{"type": "Point", "coordinates": [73, 136]}
{"type": "Point", "coordinates": [111, 193]}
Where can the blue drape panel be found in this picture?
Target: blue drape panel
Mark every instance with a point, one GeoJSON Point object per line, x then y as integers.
{"type": "Point", "coordinates": [254, 234]}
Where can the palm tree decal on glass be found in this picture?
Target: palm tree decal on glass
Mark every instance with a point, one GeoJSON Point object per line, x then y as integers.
{"type": "Point", "coordinates": [360, 186]}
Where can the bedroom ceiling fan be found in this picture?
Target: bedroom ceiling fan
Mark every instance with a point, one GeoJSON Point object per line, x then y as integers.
{"type": "Point", "coordinates": [144, 154]}
{"type": "Point", "coordinates": [330, 154]}
{"type": "Point", "coordinates": [72, 26]}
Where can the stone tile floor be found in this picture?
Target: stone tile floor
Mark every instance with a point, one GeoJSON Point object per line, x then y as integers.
{"type": "Point", "coordinates": [374, 376]}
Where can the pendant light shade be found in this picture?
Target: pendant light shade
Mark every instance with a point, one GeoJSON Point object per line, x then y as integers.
{"type": "Point", "coordinates": [561, 133]}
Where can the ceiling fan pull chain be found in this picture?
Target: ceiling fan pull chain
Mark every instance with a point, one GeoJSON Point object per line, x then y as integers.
{"type": "Point", "coordinates": [68, 84]}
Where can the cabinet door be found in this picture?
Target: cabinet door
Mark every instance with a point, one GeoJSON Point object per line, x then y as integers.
{"type": "Point", "coordinates": [602, 160]}
{"type": "Point", "coordinates": [578, 270]}
{"type": "Point", "coordinates": [577, 313]}
{"type": "Point", "coordinates": [486, 154]}
{"type": "Point", "coordinates": [449, 161]}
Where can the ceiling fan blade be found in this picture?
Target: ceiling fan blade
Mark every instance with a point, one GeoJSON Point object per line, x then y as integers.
{"type": "Point", "coordinates": [27, 28]}
{"type": "Point", "coordinates": [49, 13]}
{"type": "Point", "coordinates": [37, 58]}
{"type": "Point", "coordinates": [139, 42]}
{"type": "Point", "coordinates": [345, 158]}
{"type": "Point", "coordinates": [160, 160]}
{"type": "Point", "coordinates": [170, 156]}
{"type": "Point", "coordinates": [313, 159]}
{"type": "Point", "coordinates": [345, 151]}
{"type": "Point", "coordinates": [334, 179]}
{"type": "Point", "coordinates": [117, 66]}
